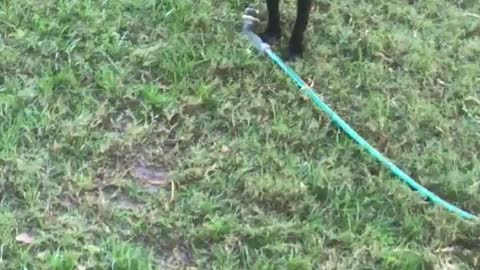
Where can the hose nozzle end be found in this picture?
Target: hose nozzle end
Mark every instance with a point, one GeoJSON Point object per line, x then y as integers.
{"type": "Point", "coordinates": [250, 19]}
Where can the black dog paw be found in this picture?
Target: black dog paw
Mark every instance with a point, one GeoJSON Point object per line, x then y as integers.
{"type": "Point", "coordinates": [270, 37]}
{"type": "Point", "coordinates": [293, 55]}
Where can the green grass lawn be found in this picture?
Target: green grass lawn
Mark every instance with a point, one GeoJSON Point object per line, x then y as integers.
{"type": "Point", "coordinates": [147, 134]}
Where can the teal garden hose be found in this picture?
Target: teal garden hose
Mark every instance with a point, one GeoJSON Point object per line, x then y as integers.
{"type": "Point", "coordinates": [249, 22]}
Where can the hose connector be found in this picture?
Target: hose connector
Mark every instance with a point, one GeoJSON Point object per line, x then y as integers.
{"type": "Point", "coordinates": [250, 20]}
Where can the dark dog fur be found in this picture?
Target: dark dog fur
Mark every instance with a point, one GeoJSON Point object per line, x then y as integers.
{"type": "Point", "coordinates": [274, 33]}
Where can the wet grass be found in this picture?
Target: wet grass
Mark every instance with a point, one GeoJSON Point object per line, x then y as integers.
{"type": "Point", "coordinates": [146, 134]}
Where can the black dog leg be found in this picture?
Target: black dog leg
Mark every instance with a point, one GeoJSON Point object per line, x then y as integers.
{"type": "Point", "coordinates": [273, 31]}
{"type": "Point", "coordinates": [295, 48]}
